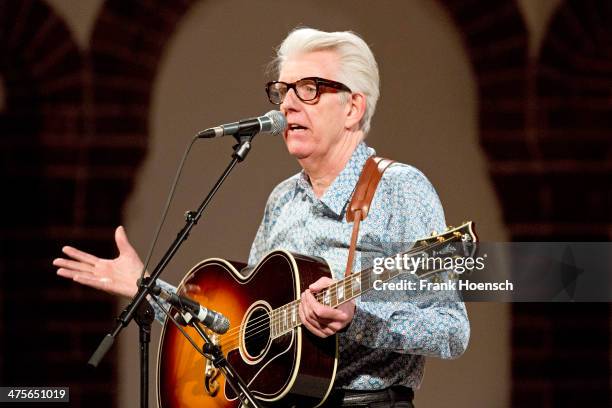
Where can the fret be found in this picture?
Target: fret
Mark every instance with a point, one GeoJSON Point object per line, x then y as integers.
{"type": "Point", "coordinates": [333, 295]}
{"type": "Point", "coordinates": [384, 276]}
{"type": "Point", "coordinates": [372, 277]}
{"type": "Point", "coordinates": [348, 288]}
{"type": "Point", "coordinates": [340, 292]}
{"type": "Point", "coordinates": [281, 312]}
{"type": "Point", "coordinates": [277, 322]}
{"type": "Point", "coordinates": [289, 316]}
{"type": "Point", "coordinates": [294, 314]}
{"type": "Point", "coordinates": [285, 324]}
{"type": "Point", "coordinates": [284, 319]}
{"type": "Point", "coordinates": [366, 281]}
{"type": "Point", "coordinates": [326, 297]}
{"type": "Point", "coordinates": [356, 284]}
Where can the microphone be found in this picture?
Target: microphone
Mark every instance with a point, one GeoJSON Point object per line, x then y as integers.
{"type": "Point", "coordinates": [273, 122]}
{"type": "Point", "coordinates": [215, 321]}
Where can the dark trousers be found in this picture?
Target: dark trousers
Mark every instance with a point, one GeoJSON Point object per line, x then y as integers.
{"type": "Point", "coordinates": [393, 397]}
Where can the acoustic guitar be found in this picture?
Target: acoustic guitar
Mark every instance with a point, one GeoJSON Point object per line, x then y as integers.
{"type": "Point", "coordinates": [283, 364]}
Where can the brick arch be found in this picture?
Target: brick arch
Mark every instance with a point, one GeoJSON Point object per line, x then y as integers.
{"type": "Point", "coordinates": [73, 133]}
{"type": "Point", "coordinates": [574, 89]}
{"type": "Point", "coordinates": [573, 100]}
{"type": "Point", "coordinates": [545, 127]}
{"type": "Point", "coordinates": [125, 51]}
{"type": "Point", "coordinates": [126, 47]}
{"type": "Point", "coordinates": [41, 70]}
{"type": "Point", "coordinates": [496, 39]}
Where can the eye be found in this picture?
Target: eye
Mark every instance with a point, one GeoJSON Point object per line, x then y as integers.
{"type": "Point", "coordinates": [307, 89]}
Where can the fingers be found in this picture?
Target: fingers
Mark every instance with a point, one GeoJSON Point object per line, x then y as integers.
{"type": "Point", "coordinates": [67, 273]}
{"type": "Point", "coordinates": [312, 325]}
{"type": "Point", "coordinates": [73, 265]}
{"type": "Point", "coordinates": [321, 320]}
{"type": "Point", "coordinates": [319, 311]}
{"type": "Point", "coordinates": [321, 283]}
{"type": "Point", "coordinates": [80, 255]}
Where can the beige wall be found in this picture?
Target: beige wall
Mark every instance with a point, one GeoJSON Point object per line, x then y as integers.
{"type": "Point", "coordinates": [427, 117]}
{"type": "Point", "coordinates": [213, 72]}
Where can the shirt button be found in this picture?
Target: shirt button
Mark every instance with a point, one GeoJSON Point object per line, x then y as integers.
{"type": "Point", "coordinates": [358, 336]}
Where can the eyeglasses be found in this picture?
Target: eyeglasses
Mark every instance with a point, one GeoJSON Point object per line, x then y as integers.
{"type": "Point", "coordinates": [306, 89]}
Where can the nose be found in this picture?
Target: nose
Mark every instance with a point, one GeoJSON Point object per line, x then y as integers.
{"type": "Point", "coordinates": [291, 102]}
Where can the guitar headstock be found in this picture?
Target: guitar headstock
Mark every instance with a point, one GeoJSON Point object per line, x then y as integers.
{"type": "Point", "coordinates": [454, 242]}
{"type": "Point", "coordinates": [464, 233]}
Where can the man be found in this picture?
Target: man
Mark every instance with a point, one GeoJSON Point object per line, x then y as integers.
{"type": "Point", "coordinates": [327, 88]}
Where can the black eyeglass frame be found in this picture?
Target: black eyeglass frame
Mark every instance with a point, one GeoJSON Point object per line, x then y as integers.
{"type": "Point", "coordinates": [319, 82]}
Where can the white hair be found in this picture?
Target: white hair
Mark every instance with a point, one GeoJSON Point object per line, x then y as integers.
{"type": "Point", "coordinates": [358, 68]}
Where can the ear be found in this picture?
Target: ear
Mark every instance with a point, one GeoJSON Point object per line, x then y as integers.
{"type": "Point", "coordinates": [356, 107]}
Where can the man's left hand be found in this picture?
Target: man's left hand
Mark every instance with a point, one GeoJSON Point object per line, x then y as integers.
{"type": "Point", "coordinates": [323, 320]}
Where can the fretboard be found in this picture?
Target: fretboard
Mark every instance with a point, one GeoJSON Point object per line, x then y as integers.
{"type": "Point", "coordinates": [286, 318]}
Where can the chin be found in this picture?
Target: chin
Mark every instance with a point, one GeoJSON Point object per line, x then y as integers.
{"type": "Point", "coordinates": [298, 150]}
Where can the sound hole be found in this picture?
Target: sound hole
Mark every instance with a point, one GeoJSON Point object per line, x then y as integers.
{"type": "Point", "coordinates": [257, 333]}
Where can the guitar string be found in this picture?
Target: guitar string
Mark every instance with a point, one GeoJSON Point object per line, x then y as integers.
{"type": "Point", "coordinates": [258, 333]}
{"type": "Point", "coordinates": [251, 335]}
{"type": "Point", "coordinates": [332, 290]}
{"type": "Point", "coordinates": [318, 296]}
{"type": "Point", "coordinates": [252, 331]}
{"type": "Point", "coordinates": [233, 334]}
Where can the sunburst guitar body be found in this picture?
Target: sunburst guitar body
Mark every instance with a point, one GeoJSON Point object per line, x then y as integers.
{"type": "Point", "coordinates": [282, 363]}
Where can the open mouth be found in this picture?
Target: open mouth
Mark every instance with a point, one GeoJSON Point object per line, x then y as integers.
{"type": "Point", "coordinates": [296, 128]}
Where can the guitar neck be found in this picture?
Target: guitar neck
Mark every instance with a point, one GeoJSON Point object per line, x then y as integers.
{"type": "Point", "coordinates": [286, 318]}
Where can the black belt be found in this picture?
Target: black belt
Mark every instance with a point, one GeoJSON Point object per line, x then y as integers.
{"type": "Point", "coordinates": [380, 398]}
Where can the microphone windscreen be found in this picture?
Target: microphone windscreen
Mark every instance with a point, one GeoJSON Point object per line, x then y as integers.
{"type": "Point", "coordinates": [278, 122]}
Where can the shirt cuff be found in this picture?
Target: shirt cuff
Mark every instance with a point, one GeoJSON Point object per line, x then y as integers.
{"type": "Point", "coordinates": [160, 315]}
{"type": "Point", "coordinates": [356, 328]}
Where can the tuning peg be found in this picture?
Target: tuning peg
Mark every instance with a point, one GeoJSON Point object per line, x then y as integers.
{"type": "Point", "coordinates": [450, 227]}
{"type": "Point", "coordinates": [434, 233]}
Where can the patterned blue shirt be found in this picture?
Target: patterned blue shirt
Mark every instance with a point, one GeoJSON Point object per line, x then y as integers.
{"type": "Point", "coordinates": [391, 333]}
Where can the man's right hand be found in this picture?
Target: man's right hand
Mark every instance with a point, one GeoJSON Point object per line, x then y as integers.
{"type": "Point", "coordinates": [118, 276]}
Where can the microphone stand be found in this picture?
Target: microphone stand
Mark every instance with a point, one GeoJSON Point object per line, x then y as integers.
{"type": "Point", "coordinates": [213, 352]}
{"type": "Point", "coordinates": [144, 318]}
{"type": "Point", "coordinates": [241, 150]}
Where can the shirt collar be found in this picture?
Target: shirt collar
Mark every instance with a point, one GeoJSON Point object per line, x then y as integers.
{"type": "Point", "coordinates": [338, 194]}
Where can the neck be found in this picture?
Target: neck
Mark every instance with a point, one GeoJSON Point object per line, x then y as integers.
{"type": "Point", "coordinates": [322, 171]}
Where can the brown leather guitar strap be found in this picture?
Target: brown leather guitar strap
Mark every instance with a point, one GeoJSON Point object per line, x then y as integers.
{"type": "Point", "coordinates": [362, 198]}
